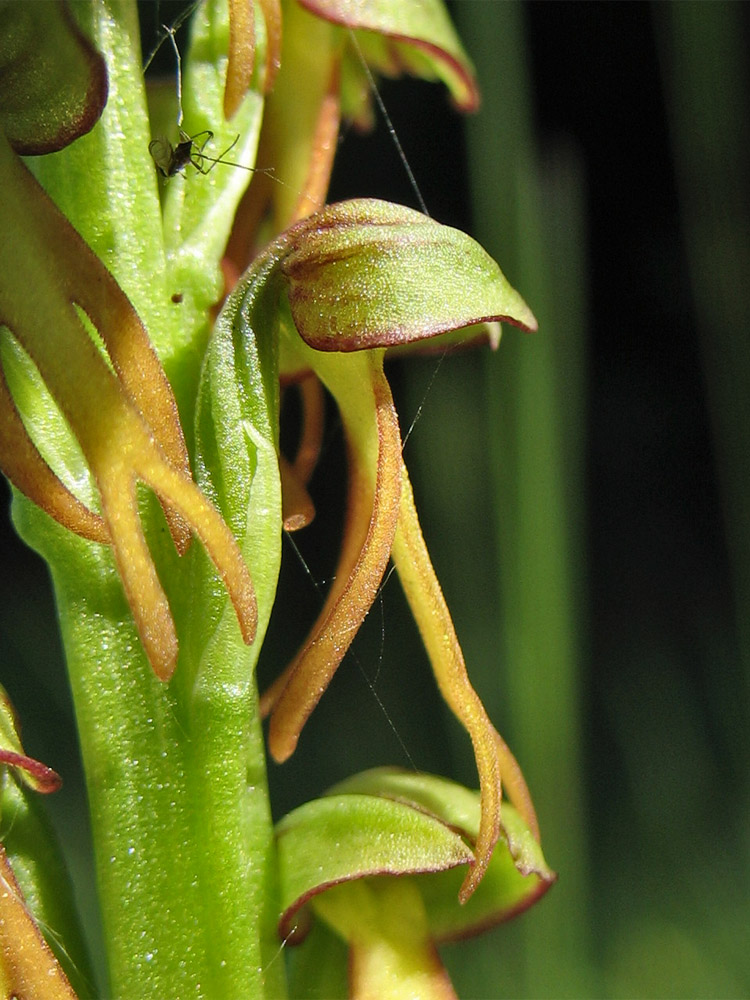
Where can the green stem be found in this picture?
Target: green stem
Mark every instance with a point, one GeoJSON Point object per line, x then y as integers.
{"type": "Point", "coordinates": [177, 789]}
{"type": "Point", "coordinates": [176, 776]}
{"type": "Point", "coordinates": [130, 742]}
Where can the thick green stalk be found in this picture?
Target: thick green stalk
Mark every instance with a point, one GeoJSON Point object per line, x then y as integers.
{"type": "Point", "coordinates": [175, 773]}
{"type": "Point", "coordinates": [177, 790]}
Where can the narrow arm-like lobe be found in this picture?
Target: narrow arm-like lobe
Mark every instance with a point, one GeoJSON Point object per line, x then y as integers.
{"type": "Point", "coordinates": [364, 276]}
{"type": "Point", "coordinates": [124, 415]}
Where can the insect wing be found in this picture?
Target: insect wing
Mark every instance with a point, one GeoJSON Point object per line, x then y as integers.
{"type": "Point", "coordinates": [162, 154]}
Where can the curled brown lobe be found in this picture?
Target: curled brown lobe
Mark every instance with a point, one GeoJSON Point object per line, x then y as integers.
{"type": "Point", "coordinates": [298, 510]}
{"type": "Point", "coordinates": [125, 421]}
{"type": "Point", "coordinates": [371, 524]}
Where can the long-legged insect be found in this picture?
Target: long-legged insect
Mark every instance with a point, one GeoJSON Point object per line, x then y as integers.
{"type": "Point", "coordinates": [172, 159]}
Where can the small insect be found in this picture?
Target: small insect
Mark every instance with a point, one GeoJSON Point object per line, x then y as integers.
{"type": "Point", "coordinates": [171, 160]}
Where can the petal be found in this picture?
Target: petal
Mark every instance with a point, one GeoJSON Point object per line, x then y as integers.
{"type": "Point", "coordinates": [313, 414]}
{"type": "Point", "coordinates": [431, 614]}
{"type": "Point", "coordinates": [297, 507]}
{"type": "Point", "coordinates": [241, 54]}
{"type": "Point", "coordinates": [374, 442]}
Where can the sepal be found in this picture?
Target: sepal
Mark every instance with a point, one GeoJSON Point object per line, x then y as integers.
{"type": "Point", "coordinates": [53, 83]}
{"type": "Point", "coordinates": [32, 772]}
{"type": "Point", "coordinates": [369, 273]}
{"type": "Point", "coordinates": [413, 36]}
{"type": "Point", "coordinates": [344, 837]}
{"type": "Point", "coordinates": [517, 875]}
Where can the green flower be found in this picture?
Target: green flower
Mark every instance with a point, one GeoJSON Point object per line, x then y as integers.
{"type": "Point", "coordinates": [318, 73]}
{"type": "Point", "coordinates": [116, 399]}
{"type": "Point", "coordinates": [378, 861]}
{"type": "Point", "coordinates": [364, 276]}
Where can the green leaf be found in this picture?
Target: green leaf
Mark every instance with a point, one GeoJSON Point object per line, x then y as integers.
{"type": "Point", "coordinates": [345, 837]}
{"type": "Point", "coordinates": [367, 273]}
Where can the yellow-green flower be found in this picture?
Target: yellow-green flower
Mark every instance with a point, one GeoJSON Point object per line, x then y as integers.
{"type": "Point", "coordinates": [364, 276]}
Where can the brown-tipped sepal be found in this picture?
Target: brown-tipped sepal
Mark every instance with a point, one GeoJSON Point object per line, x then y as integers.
{"type": "Point", "coordinates": [368, 273]}
{"type": "Point", "coordinates": [53, 83]}
{"type": "Point", "coordinates": [31, 772]}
